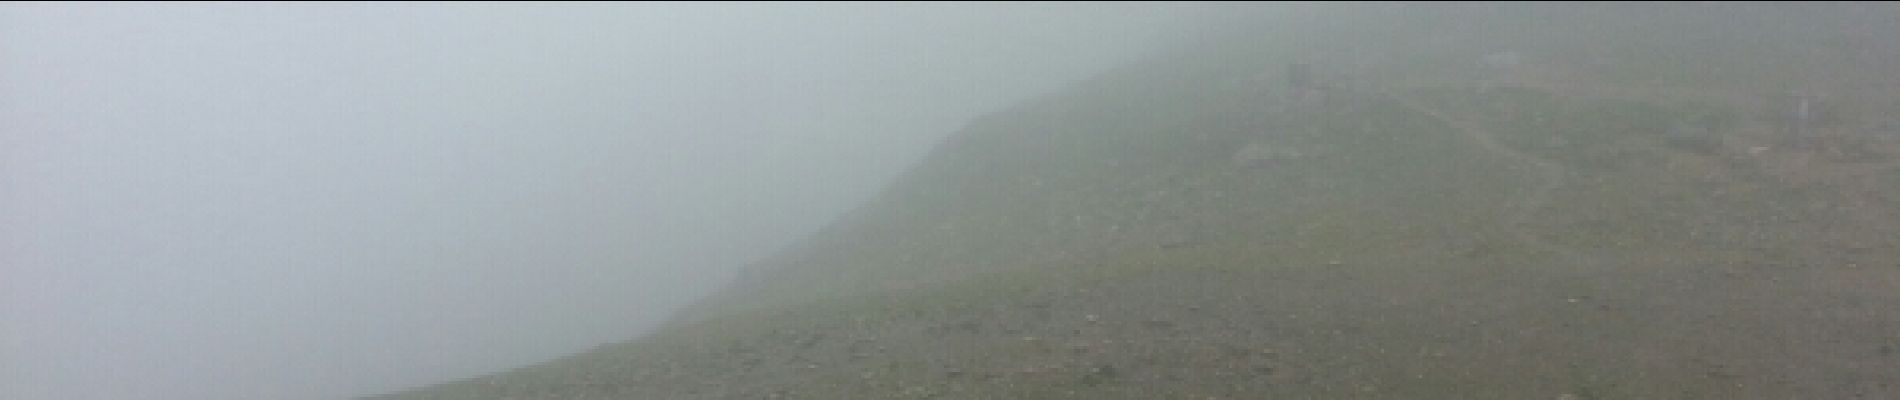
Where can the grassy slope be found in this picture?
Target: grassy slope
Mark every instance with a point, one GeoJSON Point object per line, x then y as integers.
{"type": "Point", "coordinates": [1024, 260]}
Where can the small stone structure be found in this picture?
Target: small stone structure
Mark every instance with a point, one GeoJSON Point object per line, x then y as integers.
{"type": "Point", "coordinates": [1887, 129]}
{"type": "Point", "coordinates": [1797, 115]}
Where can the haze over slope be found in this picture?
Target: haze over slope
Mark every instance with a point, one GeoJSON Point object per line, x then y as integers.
{"type": "Point", "coordinates": [1569, 201]}
{"type": "Point", "coordinates": [1476, 201]}
{"type": "Point", "coordinates": [1099, 166]}
{"type": "Point", "coordinates": [311, 201]}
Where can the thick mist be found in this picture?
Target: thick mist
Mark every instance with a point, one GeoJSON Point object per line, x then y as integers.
{"type": "Point", "coordinates": [312, 201]}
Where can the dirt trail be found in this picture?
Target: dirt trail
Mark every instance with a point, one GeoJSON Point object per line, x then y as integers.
{"type": "Point", "coordinates": [1549, 175]}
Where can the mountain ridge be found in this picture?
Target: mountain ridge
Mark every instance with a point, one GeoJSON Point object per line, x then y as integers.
{"type": "Point", "coordinates": [1413, 233]}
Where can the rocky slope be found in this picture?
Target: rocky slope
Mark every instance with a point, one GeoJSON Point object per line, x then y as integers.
{"type": "Point", "coordinates": [1188, 227]}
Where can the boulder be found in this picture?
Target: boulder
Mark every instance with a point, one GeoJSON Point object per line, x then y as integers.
{"type": "Point", "coordinates": [1692, 138]}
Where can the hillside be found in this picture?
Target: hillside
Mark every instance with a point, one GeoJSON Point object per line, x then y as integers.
{"type": "Point", "coordinates": [1615, 217]}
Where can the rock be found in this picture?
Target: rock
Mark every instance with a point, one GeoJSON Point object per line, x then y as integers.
{"type": "Point", "coordinates": [1254, 155]}
{"type": "Point", "coordinates": [1178, 237]}
{"type": "Point", "coordinates": [1259, 155]}
{"type": "Point", "coordinates": [1555, 142]}
{"type": "Point", "coordinates": [1692, 138]}
{"type": "Point", "coordinates": [1888, 129]}
{"type": "Point", "coordinates": [1158, 324]}
{"type": "Point", "coordinates": [1099, 375]}
{"type": "Point", "coordinates": [1502, 60]}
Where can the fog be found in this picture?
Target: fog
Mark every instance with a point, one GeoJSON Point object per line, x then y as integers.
{"type": "Point", "coordinates": [314, 201]}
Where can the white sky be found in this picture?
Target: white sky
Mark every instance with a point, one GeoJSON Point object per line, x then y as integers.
{"type": "Point", "coordinates": [318, 200]}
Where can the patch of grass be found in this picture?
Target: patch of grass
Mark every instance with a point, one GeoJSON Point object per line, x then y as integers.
{"type": "Point", "coordinates": [1617, 193]}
